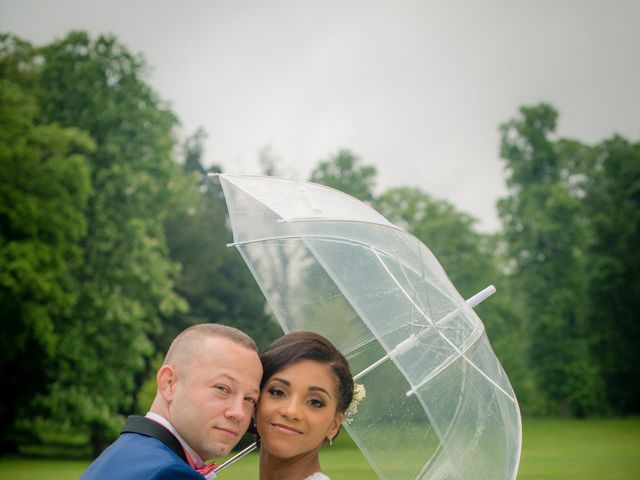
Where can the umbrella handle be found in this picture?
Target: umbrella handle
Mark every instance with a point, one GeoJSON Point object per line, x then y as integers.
{"type": "Point", "coordinates": [237, 457]}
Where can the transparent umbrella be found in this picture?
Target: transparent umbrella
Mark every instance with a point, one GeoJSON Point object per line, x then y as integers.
{"type": "Point", "coordinates": [438, 403]}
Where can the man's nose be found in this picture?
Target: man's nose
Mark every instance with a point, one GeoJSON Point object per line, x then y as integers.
{"type": "Point", "coordinates": [237, 408]}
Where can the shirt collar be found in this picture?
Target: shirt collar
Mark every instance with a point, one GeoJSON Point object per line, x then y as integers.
{"type": "Point", "coordinates": [192, 456]}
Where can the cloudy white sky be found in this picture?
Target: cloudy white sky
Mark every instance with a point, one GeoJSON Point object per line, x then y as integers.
{"type": "Point", "coordinates": [417, 88]}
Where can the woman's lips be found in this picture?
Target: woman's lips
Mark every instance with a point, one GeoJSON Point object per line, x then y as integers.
{"type": "Point", "coordinates": [286, 429]}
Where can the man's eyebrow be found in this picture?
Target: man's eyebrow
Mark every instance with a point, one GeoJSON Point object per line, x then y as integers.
{"type": "Point", "coordinates": [223, 375]}
{"type": "Point", "coordinates": [255, 391]}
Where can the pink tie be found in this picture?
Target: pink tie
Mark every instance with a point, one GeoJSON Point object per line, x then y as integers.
{"type": "Point", "coordinates": [206, 470]}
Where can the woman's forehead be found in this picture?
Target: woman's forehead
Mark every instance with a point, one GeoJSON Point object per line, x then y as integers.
{"type": "Point", "coordinates": [308, 372]}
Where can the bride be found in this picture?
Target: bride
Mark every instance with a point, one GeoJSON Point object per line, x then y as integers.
{"type": "Point", "coordinates": [305, 390]}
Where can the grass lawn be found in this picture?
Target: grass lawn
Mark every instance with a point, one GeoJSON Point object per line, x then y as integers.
{"type": "Point", "coordinates": [27, 469]}
{"type": "Point", "coordinates": [580, 449]}
{"type": "Point", "coordinates": [552, 450]}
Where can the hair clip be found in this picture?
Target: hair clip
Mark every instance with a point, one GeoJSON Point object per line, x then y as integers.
{"type": "Point", "coordinates": [359, 393]}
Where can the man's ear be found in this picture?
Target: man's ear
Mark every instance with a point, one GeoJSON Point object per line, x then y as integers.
{"type": "Point", "coordinates": [253, 429]}
{"type": "Point", "coordinates": [166, 379]}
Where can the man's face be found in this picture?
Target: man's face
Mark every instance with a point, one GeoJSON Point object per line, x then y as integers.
{"type": "Point", "coordinates": [214, 396]}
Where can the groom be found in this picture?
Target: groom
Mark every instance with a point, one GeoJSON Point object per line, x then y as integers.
{"type": "Point", "coordinates": [208, 387]}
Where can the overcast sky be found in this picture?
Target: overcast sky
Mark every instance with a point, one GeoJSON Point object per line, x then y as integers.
{"type": "Point", "coordinates": [416, 88]}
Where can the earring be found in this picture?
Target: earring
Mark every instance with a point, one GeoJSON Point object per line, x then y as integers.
{"type": "Point", "coordinates": [331, 441]}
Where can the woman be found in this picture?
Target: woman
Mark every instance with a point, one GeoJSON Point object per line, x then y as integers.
{"type": "Point", "coordinates": [305, 390]}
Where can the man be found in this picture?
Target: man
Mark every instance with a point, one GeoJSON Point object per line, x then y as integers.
{"type": "Point", "coordinates": [208, 387]}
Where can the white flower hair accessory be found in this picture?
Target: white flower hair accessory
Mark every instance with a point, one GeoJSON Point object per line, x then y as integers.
{"type": "Point", "coordinates": [359, 392]}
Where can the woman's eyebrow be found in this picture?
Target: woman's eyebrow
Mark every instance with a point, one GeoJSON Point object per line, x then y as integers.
{"type": "Point", "coordinates": [315, 388]}
{"type": "Point", "coordinates": [281, 380]}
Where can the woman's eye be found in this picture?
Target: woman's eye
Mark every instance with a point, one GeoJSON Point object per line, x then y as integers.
{"type": "Point", "coordinates": [276, 392]}
{"type": "Point", "coordinates": [316, 403]}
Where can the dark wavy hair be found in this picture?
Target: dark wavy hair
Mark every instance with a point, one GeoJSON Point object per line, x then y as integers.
{"type": "Point", "coordinates": [297, 346]}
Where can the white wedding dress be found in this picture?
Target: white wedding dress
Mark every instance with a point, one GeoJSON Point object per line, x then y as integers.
{"type": "Point", "coordinates": [317, 476]}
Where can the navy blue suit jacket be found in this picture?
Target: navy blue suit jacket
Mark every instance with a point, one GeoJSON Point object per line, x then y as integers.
{"type": "Point", "coordinates": [138, 457]}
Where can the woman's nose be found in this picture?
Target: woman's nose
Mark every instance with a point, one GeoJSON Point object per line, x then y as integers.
{"type": "Point", "coordinates": [290, 409]}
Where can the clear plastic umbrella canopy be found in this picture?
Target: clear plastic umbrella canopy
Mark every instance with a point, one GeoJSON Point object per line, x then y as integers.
{"type": "Point", "coordinates": [438, 404]}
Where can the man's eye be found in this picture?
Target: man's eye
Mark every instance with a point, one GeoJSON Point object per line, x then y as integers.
{"type": "Point", "coordinates": [223, 388]}
{"type": "Point", "coordinates": [251, 400]}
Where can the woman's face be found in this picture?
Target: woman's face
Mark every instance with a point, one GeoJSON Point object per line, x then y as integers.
{"type": "Point", "coordinates": [297, 409]}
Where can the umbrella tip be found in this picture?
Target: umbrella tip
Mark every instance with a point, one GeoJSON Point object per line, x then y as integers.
{"type": "Point", "coordinates": [481, 296]}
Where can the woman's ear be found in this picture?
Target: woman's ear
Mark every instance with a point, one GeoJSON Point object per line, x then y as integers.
{"type": "Point", "coordinates": [166, 380]}
{"type": "Point", "coordinates": [335, 425]}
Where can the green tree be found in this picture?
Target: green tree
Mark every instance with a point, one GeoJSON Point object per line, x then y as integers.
{"type": "Point", "coordinates": [125, 277]}
{"type": "Point", "coordinates": [44, 187]}
{"type": "Point", "coordinates": [544, 222]}
{"type": "Point", "coordinates": [214, 279]}
{"type": "Point", "coordinates": [613, 204]}
{"type": "Point", "coordinates": [343, 172]}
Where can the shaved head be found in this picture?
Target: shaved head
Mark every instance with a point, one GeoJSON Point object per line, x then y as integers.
{"type": "Point", "coordinates": [187, 345]}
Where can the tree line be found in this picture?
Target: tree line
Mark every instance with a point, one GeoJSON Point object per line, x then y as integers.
{"type": "Point", "coordinates": [112, 240]}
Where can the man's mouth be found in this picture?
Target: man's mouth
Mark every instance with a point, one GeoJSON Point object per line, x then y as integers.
{"type": "Point", "coordinates": [227, 431]}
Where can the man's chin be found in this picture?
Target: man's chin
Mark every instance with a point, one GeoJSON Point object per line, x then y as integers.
{"type": "Point", "coordinates": [220, 451]}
